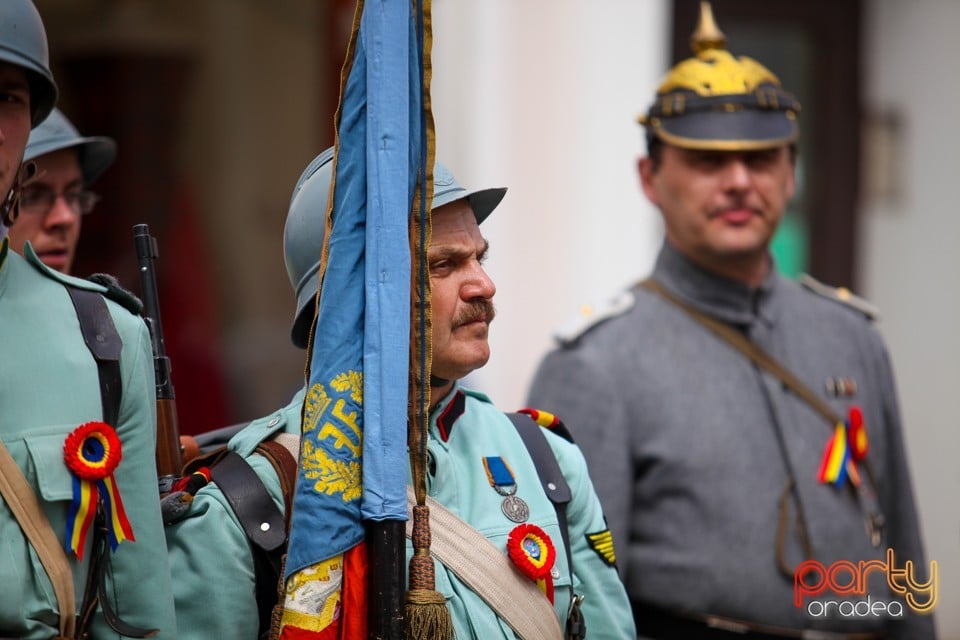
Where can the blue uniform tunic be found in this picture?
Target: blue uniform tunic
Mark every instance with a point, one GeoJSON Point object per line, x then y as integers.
{"type": "Point", "coordinates": [48, 387]}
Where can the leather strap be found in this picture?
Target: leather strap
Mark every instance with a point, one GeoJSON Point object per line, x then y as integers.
{"type": "Point", "coordinates": [867, 497]}
{"type": "Point", "coordinates": [105, 344]}
{"type": "Point", "coordinates": [282, 452]}
{"type": "Point", "coordinates": [251, 502]}
{"type": "Point", "coordinates": [264, 524]}
{"type": "Point", "coordinates": [487, 571]}
{"type": "Point", "coordinates": [548, 469]}
{"type": "Point", "coordinates": [23, 502]}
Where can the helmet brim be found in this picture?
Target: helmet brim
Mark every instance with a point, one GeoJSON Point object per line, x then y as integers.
{"type": "Point", "coordinates": [95, 153]}
{"type": "Point", "coordinates": [742, 130]}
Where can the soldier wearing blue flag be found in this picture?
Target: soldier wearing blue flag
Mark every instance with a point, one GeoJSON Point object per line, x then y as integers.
{"type": "Point", "coordinates": [478, 460]}
{"type": "Point", "coordinates": [738, 424]}
{"type": "Point", "coordinates": [81, 541]}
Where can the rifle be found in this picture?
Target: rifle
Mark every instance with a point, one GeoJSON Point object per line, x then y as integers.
{"type": "Point", "coordinates": [169, 457]}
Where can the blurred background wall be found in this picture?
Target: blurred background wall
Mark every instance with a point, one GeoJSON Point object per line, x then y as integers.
{"type": "Point", "coordinates": [218, 105]}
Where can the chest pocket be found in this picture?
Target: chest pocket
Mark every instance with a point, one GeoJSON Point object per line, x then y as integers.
{"type": "Point", "coordinates": [53, 479]}
{"type": "Point", "coordinates": [30, 603]}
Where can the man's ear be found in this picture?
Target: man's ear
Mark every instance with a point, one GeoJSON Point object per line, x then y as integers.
{"type": "Point", "coordinates": [647, 173]}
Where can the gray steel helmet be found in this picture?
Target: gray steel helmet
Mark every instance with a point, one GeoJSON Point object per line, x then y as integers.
{"type": "Point", "coordinates": [303, 233]}
{"type": "Point", "coordinates": [23, 42]}
{"type": "Point", "coordinates": [95, 153]}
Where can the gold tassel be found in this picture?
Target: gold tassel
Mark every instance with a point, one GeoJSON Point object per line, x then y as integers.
{"type": "Point", "coordinates": [426, 616]}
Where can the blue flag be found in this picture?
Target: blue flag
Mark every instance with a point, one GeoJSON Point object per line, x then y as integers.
{"type": "Point", "coordinates": [353, 461]}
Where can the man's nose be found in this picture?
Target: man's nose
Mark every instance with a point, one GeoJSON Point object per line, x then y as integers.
{"type": "Point", "coordinates": [736, 175]}
{"type": "Point", "coordinates": [479, 285]}
{"type": "Point", "coordinates": [60, 213]}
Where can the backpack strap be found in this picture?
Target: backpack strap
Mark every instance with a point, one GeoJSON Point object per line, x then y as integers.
{"type": "Point", "coordinates": [265, 526]}
{"type": "Point", "coordinates": [557, 489]}
{"type": "Point", "coordinates": [101, 336]}
{"type": "Point", "coordinates": [105, 344]}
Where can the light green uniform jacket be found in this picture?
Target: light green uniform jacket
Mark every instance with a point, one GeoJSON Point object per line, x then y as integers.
{"type": "Point", "coordinates": [212, 563]}
{"type": "Point", "coordinates": [210, 557]}
{"type": "Point", "coordinates": [48, 387]}
{"type": "Point", "coordinates": [464, 429]}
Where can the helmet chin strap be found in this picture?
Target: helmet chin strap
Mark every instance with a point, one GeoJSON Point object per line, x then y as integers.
{"type": "Point", "coordinates": [10, 207]}
{"type": "Point", "coordinates": [438, 382]}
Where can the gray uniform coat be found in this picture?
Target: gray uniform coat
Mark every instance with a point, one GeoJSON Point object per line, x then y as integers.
{"type": "Point", "coordinates": [690, 446]}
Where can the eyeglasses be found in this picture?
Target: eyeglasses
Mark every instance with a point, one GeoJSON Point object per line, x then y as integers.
{"type": "Point", "coordinates": [39, 200]}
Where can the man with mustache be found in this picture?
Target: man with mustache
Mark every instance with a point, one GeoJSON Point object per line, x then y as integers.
{"type": "Point", "coordinates": [711, 466]}
{"type": "Point", "coordinates": [478, 466]}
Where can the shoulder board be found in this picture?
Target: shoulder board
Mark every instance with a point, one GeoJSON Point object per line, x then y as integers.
{"type": "Point", "coordinates": [841, 295]}
{"type": "Point", "coordinates": [101, 283]}
{"type": "Point", "coordinates": [591, 316]}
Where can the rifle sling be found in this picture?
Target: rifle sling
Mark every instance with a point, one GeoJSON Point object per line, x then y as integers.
{"type": "Point", "coordinates": [487, 571]}
{"type": "Point", "coordinates": [737, 340]}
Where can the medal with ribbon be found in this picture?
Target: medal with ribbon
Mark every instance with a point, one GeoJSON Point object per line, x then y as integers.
{"type": "Point", "coordinates": [92, 452]}
{"type": "Point", "coordinates": [531, 550]}
{"type": "Point", "coordinates": [500, 476]}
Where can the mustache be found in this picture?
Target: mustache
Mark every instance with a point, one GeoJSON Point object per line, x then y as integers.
{"type": "Point", "coordinates": [734, 204]}
{"type": "Point", "coordinates": [477, 310]}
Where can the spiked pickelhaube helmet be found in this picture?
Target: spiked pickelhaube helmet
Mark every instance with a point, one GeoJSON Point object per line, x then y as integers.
{"type": "Point", "coordinates": [718, 101]}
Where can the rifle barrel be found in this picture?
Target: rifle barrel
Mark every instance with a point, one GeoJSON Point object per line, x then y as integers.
{"type": "Point", "coordinates": [169, 456]}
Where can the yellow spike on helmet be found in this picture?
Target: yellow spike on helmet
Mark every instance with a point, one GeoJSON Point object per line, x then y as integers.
{"type": "Point", "coordinates": [715, 100]}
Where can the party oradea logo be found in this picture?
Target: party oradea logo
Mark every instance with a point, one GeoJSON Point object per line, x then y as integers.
{"type": "Point", "coordinates": [842, 589]}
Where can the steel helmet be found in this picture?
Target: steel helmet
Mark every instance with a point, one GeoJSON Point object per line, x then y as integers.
{"type": "Point", "coordinates": [23, 42]}
{"type": "Point", "coordinates": [718, 101]}
{"type": "Point", "coordinates": [304, 229]}
{"type": "Point", "coordinates": [95, 153]}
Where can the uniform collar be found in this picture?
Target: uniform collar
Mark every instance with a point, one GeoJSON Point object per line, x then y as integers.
{"type": "Point", "coordinates": [446, 413]}
{"type": "Point", "coordinates": [729, 300]}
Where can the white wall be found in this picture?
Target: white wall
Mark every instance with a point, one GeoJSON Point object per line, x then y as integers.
{"type": "Point", "coordinates": [910, 262]}
{"type": "Point", "coordinates": [542, 98]}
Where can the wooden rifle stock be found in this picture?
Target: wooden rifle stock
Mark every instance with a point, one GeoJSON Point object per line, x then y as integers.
{"type": "Point", "coordinates": [169, 455]}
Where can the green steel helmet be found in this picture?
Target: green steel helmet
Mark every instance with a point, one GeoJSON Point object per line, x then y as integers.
{"type": "Point", "coordinates": [95, 153]}
{"type": "Point", "coordinates": [303, 233]}
{"type": "Point", "coordinates": [23, 42]}
{"type": "Point", "coordinates": [717, 101]}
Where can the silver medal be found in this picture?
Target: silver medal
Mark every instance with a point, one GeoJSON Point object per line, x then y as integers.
{"type": "Point", "coordinates": [515, 509]}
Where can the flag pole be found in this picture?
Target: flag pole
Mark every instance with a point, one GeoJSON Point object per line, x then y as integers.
{"type": "Point", "coordinates": [387, 579]}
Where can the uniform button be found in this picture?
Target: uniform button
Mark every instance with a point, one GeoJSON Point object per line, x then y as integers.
{"type": "Point", "coordinates": [554, 573]}
{"type": "Point", "coordinates": [264, 526]}
{"type": "Point", "coordinates": [551, 486]}
{"type": "Point", "coordinates": [274, 421]}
